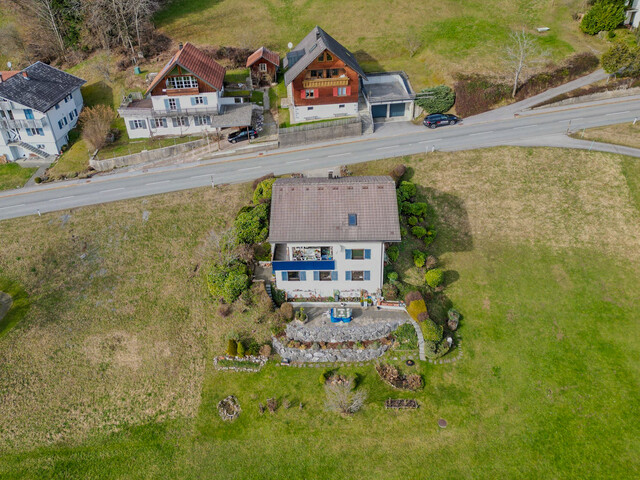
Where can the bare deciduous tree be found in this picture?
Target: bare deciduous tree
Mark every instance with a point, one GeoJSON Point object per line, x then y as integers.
{"type": "Point", "coordinates": [95, 122]}
{"type": "Point", "coordinates": [342, 398]}
{"type": "Point", "coordinates": [49, 17]}
{"type": "Point", "coordinates": [521, 52]}
{"type": "Point", "coordinates": [102, 67]}
{"type": "Point", "coordinates": [414, 42]}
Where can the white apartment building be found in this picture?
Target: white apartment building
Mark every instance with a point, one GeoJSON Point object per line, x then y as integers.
{"type": "Point", "coordinates": [185, 98]}
{"type": "Point", "coordinates": [328, 235]}
{"type": "Point", "coordinates": [38, 107]}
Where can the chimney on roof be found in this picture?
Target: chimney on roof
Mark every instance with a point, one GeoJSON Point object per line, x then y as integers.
{"type": "Point", "coordinates": [25, 75]}
{"type": "Point", "coordinates": [317, 34]}
{"type": "Point", "coordinates": [180, 45]}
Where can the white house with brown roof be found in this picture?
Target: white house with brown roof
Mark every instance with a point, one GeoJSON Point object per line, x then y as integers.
{"type": "Point", "coordinates": [328, 235]}
{"type": "Point", "coordinates": [185, 98]}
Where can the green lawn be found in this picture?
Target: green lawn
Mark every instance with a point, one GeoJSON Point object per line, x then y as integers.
{"type": "Point", "coordinates": [450, 36]}
{"type": "Point", "coordinates": [541, 249]}
{"type": "Point", "coordinates": [13, 175]}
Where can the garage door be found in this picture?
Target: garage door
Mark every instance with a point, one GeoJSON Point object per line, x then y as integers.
{"type": "Point", "coordinates": [379, 111]}
{"type": "Point", "coordinates": [397, 110]}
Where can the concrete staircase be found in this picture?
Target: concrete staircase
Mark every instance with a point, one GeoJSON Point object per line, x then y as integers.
{"type": "Point", "coordinates": [365, 116]}
{"type": "Point", "coordinates": [267, 287]}
{"type": "Point", "coordinates": [30, 148]}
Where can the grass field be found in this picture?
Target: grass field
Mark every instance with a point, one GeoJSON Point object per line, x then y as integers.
{"type": "Point", "coordinates": [453, 36]}
{"type": "Point", "coordinates": [13, 175]}
{"type": "Point", "coordinates": [109, 375]}
{"type": "Point", "coordinates": [622, 134]}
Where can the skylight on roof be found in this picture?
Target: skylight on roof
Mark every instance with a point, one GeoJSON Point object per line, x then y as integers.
{"type": "Point", "coordinates": [353, 219]}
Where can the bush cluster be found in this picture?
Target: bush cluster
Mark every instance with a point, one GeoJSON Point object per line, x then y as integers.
{"type": "Point", "coordinates": [604, 15]}
{"type": "Point", "coordinates": [622, 59]}
{"type": "Point", "coordinates": [252, 224]}
{"type": "Point", "coordinates": [419, 258]}
{"type": "Point", "coordinates": [434, 277]}
{"type": "Point", "coordinates": [397, 173]}
{"type": "Point", "coordinates": [393, 253]}
{"type": "Point", "coordinates": [436, 99]}
{"type": "Point", "coordinates": [406, 191]}
{"type": "Point", "coordinates": [263, 191]}
{"type": "Point", "coordinates": [390, 291]}
{"type": "Point", "coordinates": [417, 209]}
{"type": "Point", "coordinates": [228, 281]}
{"type": "Point", "coordinates": [415, 304]}
{"type": "Point", "coordinates": [431, 330]}
{"type": "Point", "coordinates": [286, 310]}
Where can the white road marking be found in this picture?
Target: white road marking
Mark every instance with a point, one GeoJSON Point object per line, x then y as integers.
{"type": "Point", "coordinates": [481, 133]}
{"type": "Point", "coordinates": [525, 126]}
{"type": "Point", "coordinates": [61, 198]}
{"type": "Point", "coordinates": [112, 190]}
{"type": "Point", "coordinates": [429, 141]}
{"type": "Point", "coordinates": [13, 206]}
{"type": "Point", "coordinates": [385, 148]}
{"type": "Point", "coordinates": [158, 183]}
{"type": "Point", "coordinates": [249, 168]}
{"type": "Point", "coordinates": [616, 113]}
{"type": "Point", "coordinates": [297, 161]}
{"type": "Point", "coordinates": [203, 175]}
{"type": "Point", "coordinates": [338, 155]}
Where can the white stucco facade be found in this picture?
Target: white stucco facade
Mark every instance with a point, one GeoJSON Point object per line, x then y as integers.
{"type": "Point", "coordinates": [46, 131]}
{"type": "Point", "coordinates": [353, 267]}
{"type": "Point", "coordinates": [321, 112]}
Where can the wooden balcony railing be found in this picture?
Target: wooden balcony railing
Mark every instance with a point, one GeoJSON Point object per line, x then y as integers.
{"type": "Point", "coordinates": [325, 82]}
{"type": "Point", "coordinates": [182, 91]}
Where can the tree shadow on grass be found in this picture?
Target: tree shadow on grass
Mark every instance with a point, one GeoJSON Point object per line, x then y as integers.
{"type": "Point", "coordinates": [368, 62]}
{"type": "Point", "coordinates": [97, 93]}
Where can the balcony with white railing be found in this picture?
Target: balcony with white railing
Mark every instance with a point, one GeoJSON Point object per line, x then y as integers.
{"type": "Point", "coordinates": [6, 123]}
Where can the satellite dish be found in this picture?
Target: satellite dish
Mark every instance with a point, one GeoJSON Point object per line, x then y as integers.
{"type": "Point", "coordinates": [290, 45]}
{"type": "Point", "coordinates": [9, 65]}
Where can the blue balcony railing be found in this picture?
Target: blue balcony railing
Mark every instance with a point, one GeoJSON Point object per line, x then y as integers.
{"type": "Point", "coordinates": [301, 265]}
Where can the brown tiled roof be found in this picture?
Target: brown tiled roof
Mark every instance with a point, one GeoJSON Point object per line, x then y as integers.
{"type": "Point", "coordinates": [265, 53]}
{"type": "Point", "coordinates": [198, 63]}
{"type": "Point", "coordinates": [317, 209]}
{"type": "Point", "coordinates": [7, 74]}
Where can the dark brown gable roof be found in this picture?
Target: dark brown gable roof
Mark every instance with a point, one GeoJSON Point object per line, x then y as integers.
{"type": "Point", "coordinates": [265, 53]}
{"type": "Point", "coordinates": [310, 48]}
{"type": "Point", "coordinates": [198, 63]}
{"type": "Point", "coordinates": [318, 209]}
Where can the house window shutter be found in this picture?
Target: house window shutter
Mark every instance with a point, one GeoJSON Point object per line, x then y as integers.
{"type": "Point", "coordinates": [285, 276]}
{"type": "Point", "coordinates": [186, 121]}
{"type": "Point", "coordinates": [166, 104]}
{"type": "Point", "coordinates": [348, 91]}
{"type": "Point", "coordinates": [316, 93]}
{"type": "Point", "coordinates": [174, 120]}
{"type": "Point", "coordinates": [196, 121]}
{"type": "Point", "coordinates": [29, 132]}
{"type": "Point", "coordinates": [335, 91]}
{"type": "Point", "coordinates": [334, 275]}
{"type": "Point", "coordinates": [143, 123]}
{"type": "Point", "coordinates": [303, 276]}
{"type": "Point", "coordinates": [303, 94]}
{"type": "Point", "coordinates": [193, 100]}
{"type": "Point", "coordinates": [347, 275]}
{"type": "Point", "coordinates": [367, 253]}
{"type": "Point", "coordinates": [205, 101]}
{"type": "Point", "coordinates": [41, 132]}
{"type": "Point", "coordinates": [347, 254]}
{"type": "Point", "coordinates": [316, 275]}
{"type": "Point", "coordinates": [367, 275]}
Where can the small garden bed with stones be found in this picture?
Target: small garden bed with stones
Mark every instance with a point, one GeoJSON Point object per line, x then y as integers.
{"type": "Point", "coordinates": [393, 377]}
{"type": "Point", "coordinates": [401, 404]}
{"type": "Point", "coordinates": [229, 408]}
{"type": "Point", "coordinates": [239, 364]}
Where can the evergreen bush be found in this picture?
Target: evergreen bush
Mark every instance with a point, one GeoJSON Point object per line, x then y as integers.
{"type": "Point", "coordinates": [263, 191]}
{"type": "Point", "coordinates": [240, 349]}
{"type": "Point", "coordinates": [434, 277]}
{"type": "Point", "coordinates": [419, 231]}
{"type": "Point", "coordinates": [232, 348]}
{"type": "Point", "coordinates": [393, 253]}
{"type": "Point", "coordinates": [436, 99]}
{"type": "Point", "coordinates": [406, 191]}
{"type": "Point", "coordinates": [604, 15]}
{"type": "Point", "coordinates": [419, 258]}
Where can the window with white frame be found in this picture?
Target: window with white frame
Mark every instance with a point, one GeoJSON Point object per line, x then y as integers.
{"type": "Point", "coordinates": [198, 101]}
{"type": "Point", "coordinates": [358, 275]}
{"type": "Point", "coordinates": [159, 122]}
{"type": "Point", "coordinates": [173, 104]}
{"type": "Point", "coordinates": [202, 120]}
{"type": "Point", "coordinates": [262, 67]}
{"type": "Point", "coordinates": [309, 93]}
{"type": "Point", "coordinates": [182, 82]}
{"type": "Point", "coordinates": [136, 124]}
{"type": "Point", "coordinates": [341, 91]}
{"type": "Point", "coordinates": [181, 122]}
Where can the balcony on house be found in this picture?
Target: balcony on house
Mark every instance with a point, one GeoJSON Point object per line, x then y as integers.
{"type": "Point", "coordinates": [6, 123]}
{"type": "Point", "coordinates": [333, 77]}
{"type": "Point", "coordinates": [302, 258]}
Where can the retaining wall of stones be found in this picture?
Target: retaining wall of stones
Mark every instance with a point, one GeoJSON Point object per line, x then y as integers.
{"type": "Point", "coordinates": [341, 332]}
{"type": "Point", "coordinates": [328, 355]}
{"type": "Point", "coordinates": [311, 133]}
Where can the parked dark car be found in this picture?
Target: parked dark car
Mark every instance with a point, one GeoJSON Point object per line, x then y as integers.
{"type": "Point", "coordinates": [243, 134]}
{"type": "Point", "coordinates": [439, 119]}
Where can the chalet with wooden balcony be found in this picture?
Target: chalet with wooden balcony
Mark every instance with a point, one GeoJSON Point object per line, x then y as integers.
{"type": "Point", "coordinates": [185, 98]}
{"type": "Point", "coordinates": [322, 78]}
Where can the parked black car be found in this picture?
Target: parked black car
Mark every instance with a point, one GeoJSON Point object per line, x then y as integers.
{"type": "Point", "coordinates": [438, 119]}
{"type": "Point", "coordinates": [243, 134]}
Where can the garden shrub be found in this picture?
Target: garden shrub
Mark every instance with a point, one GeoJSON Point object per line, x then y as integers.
{"type": "Point", "coordinates": [419, 258]}
{"type": "Point", "coordinates": [322, 379]}
{"type": "Point", "coordinates": [477, 93]}
{"type": "Point", "coordinates": [419, 231]}
{"type": "Point", "coordinates": [224, 310]}
{"type": "Point", "coordinates": [434, 277]}
{"type": "Point", "coordinates": [37, 180]}
{"type": "Point", "coordinates": [259, 180]}
{"type": "Point", "coordinates": [431, 330]}
{"type": "Point", "coordinates": [265, 350]}
{"type": "Point", "coordinates": [393, 276]}
{"type": "Point", "coordinates": [252, 226]}
{"type": "Point", "coordinates": [263, 191]}
{"type": "Point", "coordinates": [604, 15]}
{"type": "Point", "coordinates": [228, 281]}
{"type": "Point", "coordinates": [623, 59]}
{"type": "Point", "coordinates": [422, 317]}
{"type": "Point", "coordinates": [406, 336]}
{"type": "Point", "coordinates": [435, 350]}
{"type": "Point", "coordinates": [418, 209]}
{"type": "Point", "coordinates": [453, 318]}
{"type": "Point", "coordinates": [413, 221]}
{"type": "Point", "coordinates": [241, 349]}
{"type": "Point", "coordinates": [412, 296]}
{"type": "Point", "coordinates": [393, 253]}
{"type": "Point", "coordinates": [436, 99]}
{"type": "Point", "coordinates": [398, 172]}
{"type": "Point", "coordinates": [232, 348]}
{"type": "Point", "coordinates": [429, 237]}
{"type": "Point", "coordinates": [415, 304]}
{"type": "Point", "coordinates": [406, 190]}
{"type": "Point", "coordinates": [390, 291]}
{"type": "Point", "coordinates": [286, 309]}
{"type": "Point", "coordinates": [431, 262]}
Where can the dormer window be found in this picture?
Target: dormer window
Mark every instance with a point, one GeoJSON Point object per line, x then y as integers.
{"type": "Point", "coordinates": [353, 219]}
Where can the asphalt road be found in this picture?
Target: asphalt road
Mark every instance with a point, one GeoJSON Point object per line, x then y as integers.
{"type": "Point", "coordinates": [541, 128]}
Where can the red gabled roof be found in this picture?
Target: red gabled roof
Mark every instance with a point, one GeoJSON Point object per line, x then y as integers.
{"type": "Point", "coordinates": [198, 63]}
{"type": "Point", "coordinates": [265, 53]}
{"type": "Point", "coordinates": [7, 74]}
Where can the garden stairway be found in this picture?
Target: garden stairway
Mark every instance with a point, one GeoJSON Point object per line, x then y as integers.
{"type": "Point", "coordinates": [365, 116]}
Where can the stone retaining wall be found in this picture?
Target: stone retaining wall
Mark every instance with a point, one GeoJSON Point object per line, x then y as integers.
{"type": "Point", "coordinates": [328, 355]}
{"type": "Point", "coordinates": [319, 132]}
{"type": "Point", "coordinates": [339, 333]}
{"type": "Point", "coordinates": [591, 98]}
